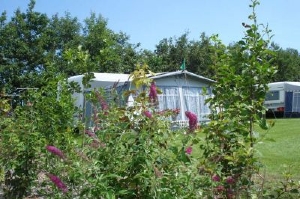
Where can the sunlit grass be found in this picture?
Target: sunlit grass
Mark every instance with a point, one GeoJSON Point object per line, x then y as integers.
{"type": "Point", "coordinates": [281, 156]}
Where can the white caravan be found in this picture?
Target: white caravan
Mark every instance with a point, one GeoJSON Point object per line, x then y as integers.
{"type": "Point", "coordinates": [283, 98]}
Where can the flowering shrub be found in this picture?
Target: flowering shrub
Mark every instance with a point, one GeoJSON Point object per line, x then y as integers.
{"type": "Point", "coordinates": [237, 105]}
{"type": "Point", "coordinates": [189, 150]}
{"type": "Point", "coordinates": [153, 93]}
{"type": "Point", "coordinates": [55, 151]}
{"type": "Point", "coordinates": [58, 182]}
{"type": "Point", "coordinates": [193, 121]}
{"type": "Point", "coordinates": [131, 152]}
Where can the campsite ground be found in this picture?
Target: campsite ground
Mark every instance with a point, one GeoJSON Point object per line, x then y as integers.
{"type": "Point", "coordinates": [279, 150]}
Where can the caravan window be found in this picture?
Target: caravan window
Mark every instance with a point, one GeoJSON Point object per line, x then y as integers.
{"type": "Point", "coordinates": [169, 99]}
{"type": "Point", "coordinates": [194, 101]}
{"type": "Point", "coordinates": [272, 95]}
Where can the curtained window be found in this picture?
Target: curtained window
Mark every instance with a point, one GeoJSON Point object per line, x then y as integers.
{"type": "Point", "coordinates": [169, 99]}
{"type": "Point", "coordinates": [296, 102]}
{"type": "Point", "coordinates": [194, 101]}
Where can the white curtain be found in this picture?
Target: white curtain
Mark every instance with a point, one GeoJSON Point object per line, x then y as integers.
{"type": "Point", "coordinates": [194, 101]}
{"type": "Point", "coordinates": [169, 99]}
{"type": "Point", "coordinates": [296, 102]}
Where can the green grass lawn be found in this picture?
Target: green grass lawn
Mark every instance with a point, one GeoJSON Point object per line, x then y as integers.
{"type": "Point", "coordinates": [282, 154]}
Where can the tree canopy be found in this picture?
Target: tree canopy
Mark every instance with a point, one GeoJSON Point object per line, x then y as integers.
{"type": "Point", "coordinates": [34, 46]}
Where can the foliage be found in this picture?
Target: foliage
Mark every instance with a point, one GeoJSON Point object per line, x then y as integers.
{"type": "Point", "coordinates": [237, 105]}
{"type": "Point", "coordinates": [288, 62]}
{"type": "Point", "coordinates": [170, 53]}
{"type": "Point", "coordinates": [19, 63]}
{"type": "Point", "coordinates": [128, 152]}
{"type": "Point", "coordinates": [31, 44]}
{"type": "Point", "coordinates": [43, 119]}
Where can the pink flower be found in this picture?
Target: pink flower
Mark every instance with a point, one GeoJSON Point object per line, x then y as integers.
{"type": "Point", "coordinates": [230, 180]}
{"type": "Point", "coordinates": [189, 150]}
{"type": "Point", "coordinates": [193, 120]}
{"type": "Point", "coordinates": [58, 183]}
{"type": "Point", "coordinates": [216, 178]}
{"type": "Point", "coordinates": [102, 102]}
{"type": "Point", "coordinates": [148, 114]}
{"type": "Point", "coordinates": [55, 151]}
{"type": "Point", "coordinates": [153, 92]}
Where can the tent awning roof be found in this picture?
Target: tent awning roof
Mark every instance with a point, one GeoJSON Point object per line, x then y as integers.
{"type": "Point", "coordinates": [121, 78]}
{"type": "Point", "coordinates": [181, 72]}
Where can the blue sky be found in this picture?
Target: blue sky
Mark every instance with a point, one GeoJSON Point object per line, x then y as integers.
{"type": "Point", "coordinates": [149, 21]}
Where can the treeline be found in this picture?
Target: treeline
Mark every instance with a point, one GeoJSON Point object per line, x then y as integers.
{"type": "Point", "coordinates": [34, 46]}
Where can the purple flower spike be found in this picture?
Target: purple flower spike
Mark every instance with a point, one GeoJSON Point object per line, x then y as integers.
{"type": "Point", "coordinates": [193, 120]}
{"type": "Point", "coordinates": [153, 93]}
{"type": "Point", "coordinates": [58, 183]}
{"type": "Point", "coordinates": [189, 150]}
{"type": "Point", "coordinates": [148, 114]}
{"type": "Point", "coordinates": [55, 151]}
{"type": "Point", "coordinates": [102, 102]}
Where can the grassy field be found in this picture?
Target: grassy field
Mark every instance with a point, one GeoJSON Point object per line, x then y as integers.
{"type": "Point", "coordinates": [282, 155]}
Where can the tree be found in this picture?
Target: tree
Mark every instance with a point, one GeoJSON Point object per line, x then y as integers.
{"type": "Point", "coordinates": [61, 34]}
{"type": "Point", "coordinates": [288, 62]}
{"type": "Point", "coordinates": [109, 51]}
{"type": "Point", "coordinates": [171, 52]}
{"type": "Point", "coordinates": [22, 48]}
{"type": "Point", "coordinates": [199, 55]}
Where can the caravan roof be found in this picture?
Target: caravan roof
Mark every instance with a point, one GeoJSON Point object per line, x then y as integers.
{"type": "Point", "coordinates": [104, 80]}
{"type": "Point", "coordinates": [287, 86]}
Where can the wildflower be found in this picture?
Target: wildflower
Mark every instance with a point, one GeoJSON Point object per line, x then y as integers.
{"type": "Point", "coordinates": [58, 183]}
{"type": "Point", "coordinates": [153, 93]}
{"type": "Point", "coordinates": [103, 104]}
{"type": "Point", "coordinates": [193, 120]}
{"type": "Point", "coordinates": [55, 151]}
{"type": "Point", "coordinates": [189, 150]}
{"type": "Point", "coordinates": [148, 114]}
{"type": "Point", "coordinates": [230, 180]}
{"type": "Point", "coordinates": [216, 178]}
